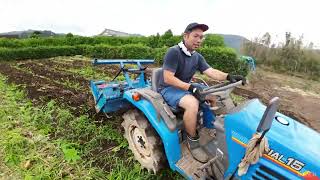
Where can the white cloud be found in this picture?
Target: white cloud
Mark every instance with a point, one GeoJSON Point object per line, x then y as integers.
{"type": "Point", "coordinates": [249, 18]}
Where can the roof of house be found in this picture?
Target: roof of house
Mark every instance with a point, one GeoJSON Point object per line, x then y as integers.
{"type": "Point", "coordinates": [110, 32]}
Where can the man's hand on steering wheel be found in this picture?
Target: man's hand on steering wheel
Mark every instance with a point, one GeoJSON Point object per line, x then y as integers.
{"type": "Point", "coordinates": [196, 92]}
{"type": "Point", "coordinates": [236, 78]}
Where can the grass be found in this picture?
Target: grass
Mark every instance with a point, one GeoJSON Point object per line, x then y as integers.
{"type": "Point", "coordinates": [70, 59]}
{"type": "Point", "coordinates": [70, 84]}
{"type": "Point", "coordinates": [27, 151]}
{"type": "Point", "coordinates": [48, 142]}
{"type": "Point", "coordinates": [237, 99]}
{"type": "Point", "coordinates": [88, 72]}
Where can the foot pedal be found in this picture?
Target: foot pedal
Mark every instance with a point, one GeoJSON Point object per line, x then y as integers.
{"type": "Point", "coordinates": [211, 132]}
{"type": "Point", "coordinates": [207, 135]}
{"type": "Point", "coordinates": [213, 169]}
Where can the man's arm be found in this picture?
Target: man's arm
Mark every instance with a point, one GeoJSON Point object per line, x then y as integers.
{"type": "Point", "coordinates": [170, 66]}
{"type": "Point", "coordinates": [170, 79]}
{"type": "Point", "coordinates": [215, 74]}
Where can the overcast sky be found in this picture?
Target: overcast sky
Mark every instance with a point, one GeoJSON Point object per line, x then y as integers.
{"type": "Point", "coordinates": [249, 18]}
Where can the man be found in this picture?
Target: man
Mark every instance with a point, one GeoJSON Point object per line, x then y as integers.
{"type": "Point", "coordinates": [180, 64]}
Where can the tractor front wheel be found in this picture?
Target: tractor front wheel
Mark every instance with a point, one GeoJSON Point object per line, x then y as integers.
{"type": "Point", "coordinates": [143, 141]}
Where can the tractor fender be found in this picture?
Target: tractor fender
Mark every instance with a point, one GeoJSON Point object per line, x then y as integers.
{"type": "Point", "coordinates": [170, 138]}
{"type": "Point", "coordinates": [161, 107]}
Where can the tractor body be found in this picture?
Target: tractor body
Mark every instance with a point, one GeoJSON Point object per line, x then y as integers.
{"type": "Point", "coordinates": [156, 136]}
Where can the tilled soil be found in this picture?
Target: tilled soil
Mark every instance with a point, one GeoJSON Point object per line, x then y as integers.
{"type": "Point", "coordinates": [44, 70]}
{"type": "Point", "coordinates": [42, 84]}
{"type": "Point", "coordinates": [38, 87]}
{"type": "Point", "coordinates": [79, 64]}
{"type": "Point", "coordinates": [303, 107]}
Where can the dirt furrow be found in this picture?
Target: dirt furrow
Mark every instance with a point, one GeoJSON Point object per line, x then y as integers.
{"type": "Point", "coordinates": [41, 89]}
{"type": "Point", "coordinates": [110, 70]}
{"type": "Point", "coordinates": [284, 108]}
{"type": "Point", "coordinates": [60, 76]}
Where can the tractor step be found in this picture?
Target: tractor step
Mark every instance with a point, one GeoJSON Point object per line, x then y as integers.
{"type": "Point", "coordinates": [187, 163]}
{"type": "Point", "coordinates": [196, 169]}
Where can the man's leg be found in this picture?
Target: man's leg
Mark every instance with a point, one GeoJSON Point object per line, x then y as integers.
{"type": "Point", "coordinates": [177, 97]}
{"type": "Point", "coordinates": [191, 105]}
{"type": "Point", "coordinates": [208, 115]}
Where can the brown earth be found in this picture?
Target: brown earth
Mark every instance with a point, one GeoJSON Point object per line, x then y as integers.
{"type": "Point", "coordinates": [41, 89]}
{"type": "Point", "coordinates": [41, 83]}
{"type": "Point", "coordinates": [44, 70]}
{"type": "Point", "coordinates": [302, 105]}
{"type": "Point", "coordinates": [78, 64]}
{"type": "Point", "coordinates": [43, 80]}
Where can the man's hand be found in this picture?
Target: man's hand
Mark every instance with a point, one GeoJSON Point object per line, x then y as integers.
{"type": "Point", "coordinates": [236, 78]}
{"type": "Point", "coordinates": [196, 92]}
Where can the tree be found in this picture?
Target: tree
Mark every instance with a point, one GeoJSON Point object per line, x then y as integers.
{"type": "Point", "coordinates": [310, 46]}
{"type": "Point", "coordinates": [154, 41]}
{"type": "Point", "coordinates": [299, 42]}
{"type": "Point", "coordinates": [288, 38]}
{"type": "Point", "coordinates": [167, 38]}
{"type": "Point", "coordinates": [167, 35]}
{"type": "Point", "coordinates": [35, 34]}
{"type": "Point", "coordinates": [213, 40]}
{"type": "Point", "coordinates": [266, 39]}
{"type": "Point", "coordinates": [69, 35]}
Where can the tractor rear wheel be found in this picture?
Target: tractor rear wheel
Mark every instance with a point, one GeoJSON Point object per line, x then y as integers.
{"type": "Point", "coordinates": [143, 141]}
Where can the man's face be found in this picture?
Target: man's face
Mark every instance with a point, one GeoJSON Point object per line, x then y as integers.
{"type": "Point", "coordinates": [193, 39]}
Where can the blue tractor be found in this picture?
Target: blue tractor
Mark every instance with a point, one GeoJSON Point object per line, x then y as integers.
{"type": "Point", "coordinates": [155, 132]}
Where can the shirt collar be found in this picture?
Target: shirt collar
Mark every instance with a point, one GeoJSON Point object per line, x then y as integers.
{"type": "Point", "coordinates": [184, 49]}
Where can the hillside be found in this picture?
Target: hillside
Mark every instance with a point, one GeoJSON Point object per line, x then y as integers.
{"type": "Point", "coordinates": [233, 41]}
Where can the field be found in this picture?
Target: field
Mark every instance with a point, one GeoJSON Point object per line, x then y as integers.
{"type": "Point", "coordinates": [299, 97]}
{"type": "Point", "coordinates": [49, 127]}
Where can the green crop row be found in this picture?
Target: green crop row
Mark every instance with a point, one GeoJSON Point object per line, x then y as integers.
{"type": "Point", "coordinates": [154, 41]}
{"type": "Point", "coordinates": [221, 58]}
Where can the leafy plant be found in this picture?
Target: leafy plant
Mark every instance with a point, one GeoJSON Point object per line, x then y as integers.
{"type": "Point", "coordinates": [70, 153]}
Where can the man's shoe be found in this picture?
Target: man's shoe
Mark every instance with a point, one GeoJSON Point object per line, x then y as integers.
{"type": "Point", "coordinates": [196, 150]}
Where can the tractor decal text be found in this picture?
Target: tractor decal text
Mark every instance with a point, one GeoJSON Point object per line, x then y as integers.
{"type": "Point", "coordinates": [290, 163]}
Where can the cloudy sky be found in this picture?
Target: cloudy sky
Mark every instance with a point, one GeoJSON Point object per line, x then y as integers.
{"type": "Point", "coordinates": [249, 18]}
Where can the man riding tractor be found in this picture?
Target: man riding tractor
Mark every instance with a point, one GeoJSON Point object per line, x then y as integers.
{"type": "Point", "coordinates": [180, 64]}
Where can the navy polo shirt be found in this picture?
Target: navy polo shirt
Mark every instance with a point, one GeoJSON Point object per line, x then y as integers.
{"type": "Point", "coordinates": [183, 66]}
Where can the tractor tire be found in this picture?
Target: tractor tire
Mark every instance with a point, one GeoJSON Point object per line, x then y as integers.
{"type": "Point", "coordinates": [143, 141]}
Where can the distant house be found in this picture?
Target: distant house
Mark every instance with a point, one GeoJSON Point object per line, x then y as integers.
{"type": "Point", "coordinates": [110, 32]}
{"type": "Point", "coordinates": [26, 34]}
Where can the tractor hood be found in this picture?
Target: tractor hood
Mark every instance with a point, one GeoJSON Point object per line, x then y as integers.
{"type": "Point", "coordinates": [293, 145]}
